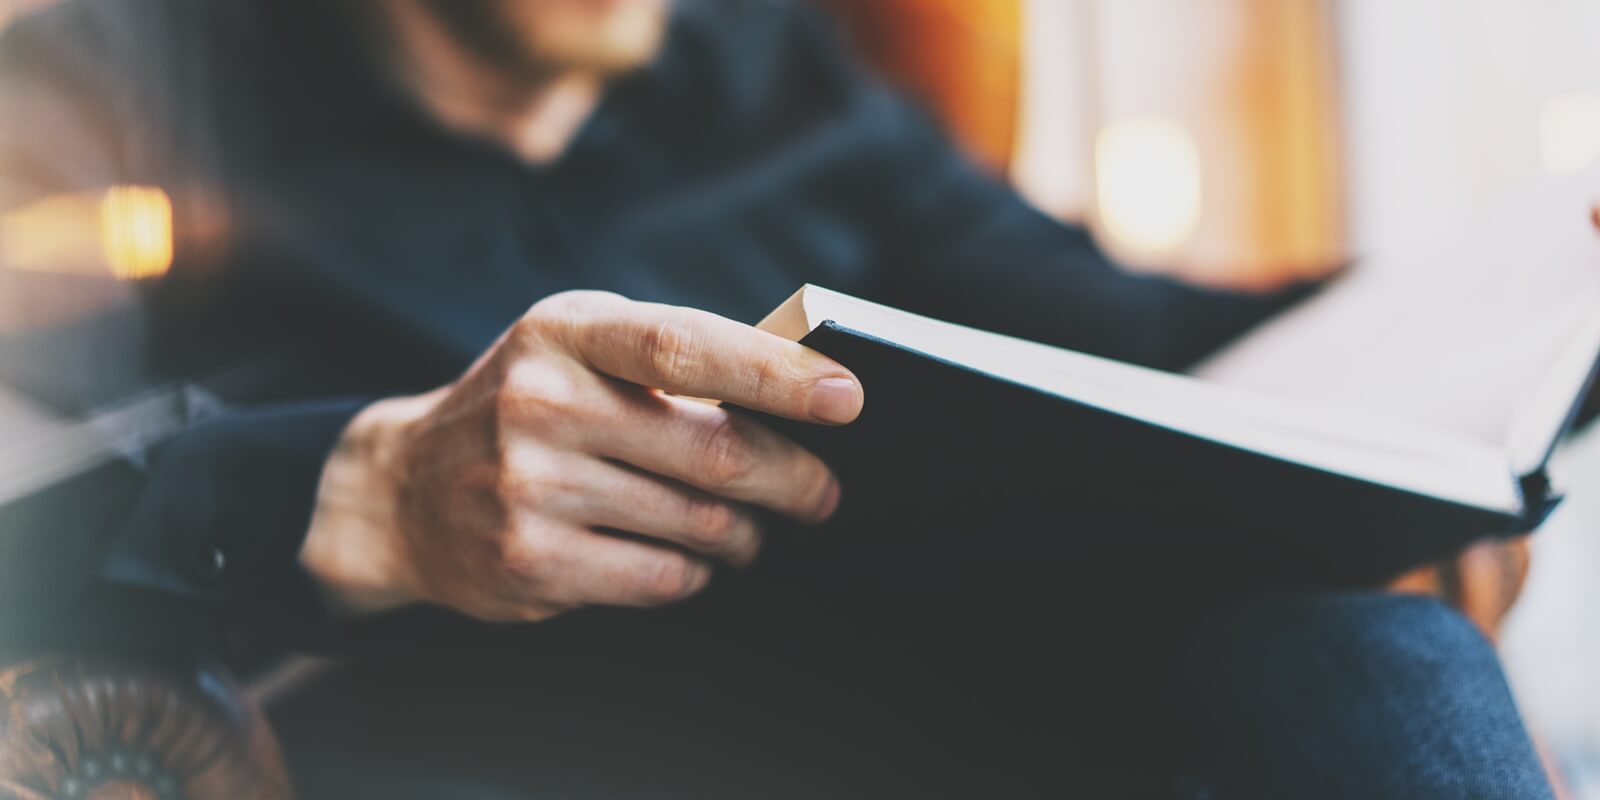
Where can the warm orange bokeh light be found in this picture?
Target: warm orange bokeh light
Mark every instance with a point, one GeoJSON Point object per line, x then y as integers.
{"type": "Point", "coordinates": [1147, 181]}
{"type": "Point", "coordinates": [136, 231]}
{"type": "Point", "coordinates": [125, 231]}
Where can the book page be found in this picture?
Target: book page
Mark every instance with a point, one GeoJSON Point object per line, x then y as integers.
{"type": "Point", "coordinates": [1457, 339]}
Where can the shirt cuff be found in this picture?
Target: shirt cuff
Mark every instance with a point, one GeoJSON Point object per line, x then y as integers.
{"type": "Point", "coordinates": [222, 518]}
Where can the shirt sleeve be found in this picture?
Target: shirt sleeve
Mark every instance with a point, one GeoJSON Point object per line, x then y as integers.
{"type": "Point", "coordinates": [965, 247]}
{"type": "Point", "coordinates": [218, 523]}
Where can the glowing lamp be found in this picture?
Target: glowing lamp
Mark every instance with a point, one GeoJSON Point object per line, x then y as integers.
{"type": "Point", "coordinates": [136, 231]}
{"type": "Point", "coordinates": [1147, 183]}
{"type": "Point", "coordinates": [125, 230]}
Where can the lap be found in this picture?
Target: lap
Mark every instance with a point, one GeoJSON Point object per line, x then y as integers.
{"type": "Point", "coordinates": [1353, 695]}
{"type": "Point", "coordinates": [733, 697]}
{"type": "Point", "coordinates": [704, 700]}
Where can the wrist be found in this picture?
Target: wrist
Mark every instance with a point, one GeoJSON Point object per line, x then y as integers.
{"type": "Point", "coordinates": [354, 547]}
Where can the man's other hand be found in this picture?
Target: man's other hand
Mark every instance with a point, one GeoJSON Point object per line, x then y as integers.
{"type": "Point", "coordinates": [567, 467]}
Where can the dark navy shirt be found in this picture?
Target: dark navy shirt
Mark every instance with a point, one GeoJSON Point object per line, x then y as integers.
{"type": "Point", "coordinates": [327, 225]}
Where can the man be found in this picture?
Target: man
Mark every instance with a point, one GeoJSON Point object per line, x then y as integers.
{"type": "Point", "coordinates": [503, 243]}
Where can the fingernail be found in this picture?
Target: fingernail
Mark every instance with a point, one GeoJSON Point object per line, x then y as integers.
{"type": "Point", "coordinates": [835, 400]}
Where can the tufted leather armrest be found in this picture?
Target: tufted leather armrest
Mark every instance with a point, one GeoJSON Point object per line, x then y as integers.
{"type": "Point", "coordinates": [74, 726]}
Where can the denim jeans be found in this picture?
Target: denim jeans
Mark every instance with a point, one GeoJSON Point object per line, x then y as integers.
{"type": "Point", "coordinates": [1356, 695]}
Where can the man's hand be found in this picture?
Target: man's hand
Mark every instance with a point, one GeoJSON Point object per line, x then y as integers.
{"type": "Point", "coordinates": [554, 474]}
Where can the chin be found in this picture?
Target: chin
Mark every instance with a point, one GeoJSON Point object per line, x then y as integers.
{"type": "Point", "coordinates": [600, 35]}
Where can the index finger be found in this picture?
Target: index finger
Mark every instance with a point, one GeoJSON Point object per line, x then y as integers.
{"type": "Point", "coordinates": [697, 353]}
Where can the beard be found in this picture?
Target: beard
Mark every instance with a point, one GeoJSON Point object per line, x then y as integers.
{"type": "Point", "coordinates": [543, 36]}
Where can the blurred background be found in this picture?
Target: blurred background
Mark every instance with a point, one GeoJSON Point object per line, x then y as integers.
{"type": "Point", "coordinates": [1231, 141]}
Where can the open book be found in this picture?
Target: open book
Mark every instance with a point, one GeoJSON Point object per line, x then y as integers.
{"type": "Point", "coordinates": [974, 430]}
{"type": "Point", "coordinates": [1434, 466]}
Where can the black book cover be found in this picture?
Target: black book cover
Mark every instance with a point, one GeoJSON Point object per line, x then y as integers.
{"type": "Point", "coordinates": [959, 485]}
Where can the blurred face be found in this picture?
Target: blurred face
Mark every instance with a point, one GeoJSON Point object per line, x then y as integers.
{"type": "Point", "coordinates": [606, 36]}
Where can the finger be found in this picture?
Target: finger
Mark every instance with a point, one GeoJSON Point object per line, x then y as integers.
{"type": "Point", "coordinates": [580, 567]}
{"type": "Point", "coordinates": [721, 452]}
{"type": "Point", "coordinates": [621, 498]}
{"type": "Point", "coordinates": [691, 352]}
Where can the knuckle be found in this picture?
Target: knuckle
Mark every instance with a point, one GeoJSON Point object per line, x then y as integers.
{"type": "Point", "coordinates": [725, 457]}
{"type": "Point", "coordinates": [531, 324]}
{"type": "Point", "coordinates": [518, 486]}
{"type": "Point", "coordinates": [749, 554]}
{"type": "Point", "coordinates": [512, 402]}
{"type": "Point", "coordinates": [672, 578]}
{"type": "Point", "coordinates": [561, 305]}
{"type": "Point", "coordinates": [540, 318]}
{"type": "Point", "coordinates": [711, 522]}
{"type": "Point", "coordinates": [670, 351]}
{"type": "Point", "coordinates": [818, 490]}
{"type": "Point", "coordinates": [561, 312]}
{"type": "Point", "coordinates": [516, 559]}
{"type": "Point", "coordinates": [771, 375]}
{"type": "Point", "coordinates": [532, 393]}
